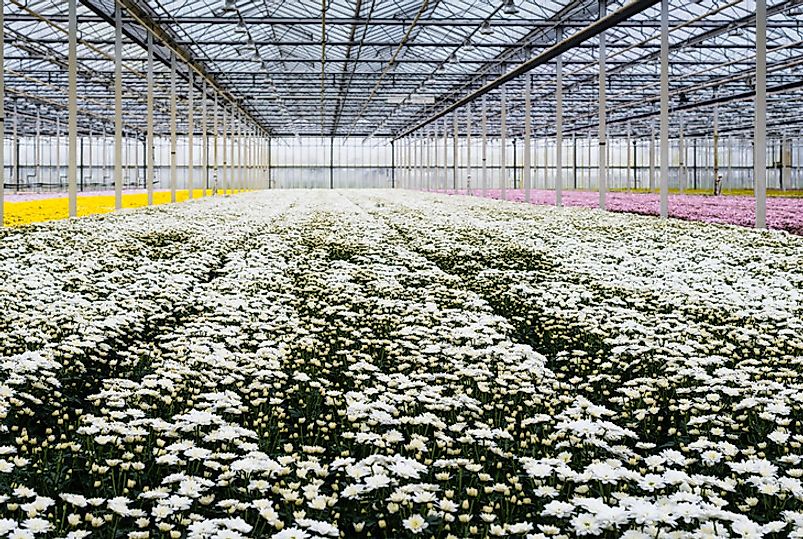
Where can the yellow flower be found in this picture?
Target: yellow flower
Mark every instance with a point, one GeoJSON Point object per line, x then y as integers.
{"type": "Point", "coordinates": [51, 209]}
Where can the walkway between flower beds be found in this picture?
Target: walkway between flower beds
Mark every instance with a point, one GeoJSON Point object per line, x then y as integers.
{"type": "Point", "coordinates": [782, 213]}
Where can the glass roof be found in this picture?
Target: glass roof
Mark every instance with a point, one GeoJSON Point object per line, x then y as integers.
{"type": "Point", "coordinates": [377, 67]}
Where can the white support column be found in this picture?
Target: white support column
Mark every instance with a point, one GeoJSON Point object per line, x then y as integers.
{"type": "Point", "coordinates": [424, 160]}
{"type": "Point", "coordinates": [419, 161]}
{"type": "Point", "coordinates": [435, 166]}
{"type": "Point", "coordinates": [410, 161]}
{"type": "Point", "coordinates": [398, 149]}
{"type": "Point", "coordinates": [241, 170]}
{"type": "Point", "coordinates": [204, 140]}
{"type": "Point", "coordinates": [118, 107]}
{"type": "Point", "coordinates": [89, 158]}
{"type": "Point", "coordinates": [403, 162]}
{"type": "Point", "coordinates": [455, 156]}
{"type": "Point", "coordinates": [760, 136]}
{"type": "Point", "coordinates": [445, 154]}
{"type": "Point", "coordinates": [58, 146]}
{"type": "Point", "coordinates": [559, 129]}
{"type": "Point", "coordinates": [429, 141]}
{"type": "Point", "coordinates": [232, 178]}
{"type": "Point", "coordinates": [37, 146]}
{"type": "Point", "coordinates": [628, 159]}
{"type": "Point", "coordinates": [2, 117]}
{"type": "Point", "coordinates": [242, 156]}
{"type": "Point", "coordinates": [717, 182]}
{"type": "Point", "coordinates": [589, 156]}
{"type": "Point", "coordinates": [602, 185]}
{"type": "Point", "coordinates": [150, 160]}
{"type": "Point", "coordinates": [215, 150]}
{"type": "Point", "coordinates": [574, 160]}
{"type": "Point", "coordinates": [414, 161]}
{"type": "Point", "coordinates": [664, 176]}
{"type": "Point", "coordinates": [546, 163]}
{"type": "Point", "coordinates": [250, 147]}
{"type": "Point", "coordinates": [729, 176]}
{"type": "Point", "coordinates": [408, 176]}
{"type": "Point", "coordinates": [526, 159]}
{"type": "Point", "coordinates": [190, 132]}
{"type": "Point", "coordinates": [786, 162]}
{"type": "Point", "coordinates": [484, 127]}
{"type": "Point", "coordinates": [224, 176]}
{"type": "Point", "coordinates": [173, 105]}
{"type": "Point", "coordinates": [72, 109]}
{"type": "Point", "coordinates": [401, 152]}
{"type": "Point", "coordinates": [652, 157]}
{"type": "Point", "coordinates": [15, 144]}
{"type": "Point", "coordinates": [468, 148]}
{"type": "Point", "coordinates": [682, 155]}
{"type": "Point", "coordinates": [245, 156]}
{"type": "Point", "coordinates": [503, 142]}
{"type": "Point", "coordinates": [534, 164]}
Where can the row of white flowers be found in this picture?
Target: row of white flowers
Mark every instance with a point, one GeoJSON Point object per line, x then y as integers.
{"type": "Point", "coordinates": [390, 364]}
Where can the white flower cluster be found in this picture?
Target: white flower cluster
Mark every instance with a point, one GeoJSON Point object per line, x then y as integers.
{"type": "Point", "coordinates": [390, 364]}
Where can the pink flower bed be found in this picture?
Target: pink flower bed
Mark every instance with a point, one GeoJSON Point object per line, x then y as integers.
{"type": "Point", "coordinates": [782, 213]}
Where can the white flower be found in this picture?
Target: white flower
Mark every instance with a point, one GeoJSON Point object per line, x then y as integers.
{"type": "Point", "coordinates": [586, 524]}
{"type": "Point", "coordinates": [779, 437]}
{"type": "Point", "coordinates": [558, 509]}
{"type": "Point", "coordinates": [415, 523]}
{"type": "Point", "coordinates": [291, 533]}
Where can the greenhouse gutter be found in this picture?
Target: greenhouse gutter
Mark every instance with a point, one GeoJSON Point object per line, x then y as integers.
{"type": "Point", "coordinates": [625, 12]}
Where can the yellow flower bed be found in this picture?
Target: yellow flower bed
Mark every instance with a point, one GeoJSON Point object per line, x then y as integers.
{"type": "Point", "coordinates": [50, 209]}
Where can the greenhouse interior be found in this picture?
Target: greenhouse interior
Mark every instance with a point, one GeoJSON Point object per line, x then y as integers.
{"type": "Point", "coordinates": [401, 268]}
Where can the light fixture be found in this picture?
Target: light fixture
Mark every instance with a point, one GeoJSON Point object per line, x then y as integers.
{"type": "Point", "coordinates": [510, 8]}
{"type": "Point", "coordinates": [229, 6]}
{"type": "Point", "coordinates": [240, 28]}
{"type": "Point", "coordinates": [486, 29]}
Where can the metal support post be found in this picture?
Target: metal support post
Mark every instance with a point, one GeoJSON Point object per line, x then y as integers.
{"type": "Point", "coordinates": [118, 107]}
{"type": "Point", "coordinates": [455, 157]}
{"type": "Point", "coordinates": [190, 132]}
{"type": "Point", "coordinates": [602, 185]}
{"type": "Point", "coordinates": [528, 135]}
{"type": "Point", "coordinates": [2, 118]}
{"type": "Point", "coordinates": [72, 109]}
{"type": "Point", "coordinates": [484, 127]}
{"type": "Point", "coordinates": [503, 141]}
{"type": "Point", "coordinates": [559, 130]}
{"type": "Point", "coordinates": [150, 148]}
{"type": "Point", "coordinates": [760, 136]}
{"type": "Point", "coordinates": [204, 139]}
{"type": "Point", "coordinates": [445, 153]}
{"type": "Point", "coordinates": [173, 137]}
{"type": "Point", "coordinates": [468, 148]}
{"type": "Point", "coordinates": [652, 158]}
{"type": "Point", "coordinates": [664, 176]}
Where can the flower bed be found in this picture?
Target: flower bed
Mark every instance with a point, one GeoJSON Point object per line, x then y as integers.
{"type": "Point", "coordinates": [391, 364]}
{"type": "Point", "coordinates": [783, 213]}
{"type": "Point", "coordinates": [27, 208]}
